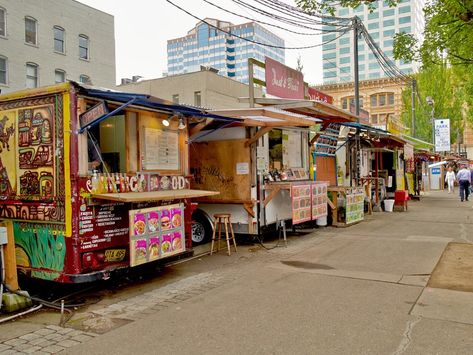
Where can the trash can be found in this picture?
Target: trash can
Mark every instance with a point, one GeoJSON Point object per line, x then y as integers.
{"type": "Point", "coordinates": [321, 221]}
{"type": "Point", "coordinates": [388, 205]}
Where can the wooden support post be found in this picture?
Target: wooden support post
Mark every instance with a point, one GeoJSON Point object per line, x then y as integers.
{"type": "Point", "coordinates": [261, 132]}
{"type": "Point", "coordinates": [11, 275]}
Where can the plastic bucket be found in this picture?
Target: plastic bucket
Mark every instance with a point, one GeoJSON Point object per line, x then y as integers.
{"type": "Point", "coordinates": [388, 205]}
{"type": "Point", "coordinates": [321, 221]}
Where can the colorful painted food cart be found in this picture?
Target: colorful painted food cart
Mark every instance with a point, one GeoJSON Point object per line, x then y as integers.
{"type": "Point", "coordinates": [95, 180]}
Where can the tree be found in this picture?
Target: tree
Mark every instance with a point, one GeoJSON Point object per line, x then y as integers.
{"type": "Point", "coordinates": [299, 66]}
{"type": "Point", "coordinates": [446, 54]}
{"type": "Point", "coordinates": [448, 96]}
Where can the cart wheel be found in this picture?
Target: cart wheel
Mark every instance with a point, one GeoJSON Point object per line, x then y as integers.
{"type": "Point", "coordinates": [201, 228]}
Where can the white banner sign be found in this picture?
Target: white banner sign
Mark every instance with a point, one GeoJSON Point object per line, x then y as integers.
{"type": "Point", "coordinates": [442, 135]}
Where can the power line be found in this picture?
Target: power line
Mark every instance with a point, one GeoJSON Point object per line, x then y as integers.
{"type": "Point", "coordinates": [261, 22]}
{"type": "Point", "coordinates": [248, 39]}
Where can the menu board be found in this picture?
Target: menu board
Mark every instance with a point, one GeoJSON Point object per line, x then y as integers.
{"type": "Point", "coordinates": [354, 207]}
{"type": "Point", "coordinates": [161, 149]}
{"type": "Point", "coordinates": [156, 233]}
{"type": "Point", "coordinates": [301, 203]}
{"type": "Point", "coordinates": [319, 200]}
{"type": "Point", "coordinates": [326, 143]}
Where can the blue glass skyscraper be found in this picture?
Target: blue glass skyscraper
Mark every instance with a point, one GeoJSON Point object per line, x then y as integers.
{"type": "Point", "coordinates": [219, 46]}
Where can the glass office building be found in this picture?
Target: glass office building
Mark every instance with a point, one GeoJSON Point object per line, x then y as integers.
{"type": "Point", "coordinates": [206, 45]}
{"type": "Point", "coordinates": [382, 24]}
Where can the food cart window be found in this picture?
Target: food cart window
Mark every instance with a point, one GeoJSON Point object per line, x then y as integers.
{"type": "Point", "coordinates": [105, 146]}
{"type": "Point", "coordinates": [286, 149]}
{"type": "Point", "coordinates": [161, 145]}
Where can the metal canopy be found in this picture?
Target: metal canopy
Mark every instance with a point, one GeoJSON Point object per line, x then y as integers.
{"type": "Point", "coordinates": [147, 101]}
{"type": "Point", "coordinates": [317, 109]}
{"type": "Point", "coordinates": [269, 116]}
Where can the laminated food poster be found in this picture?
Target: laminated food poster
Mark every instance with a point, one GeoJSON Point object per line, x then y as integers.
{"type": "Point", "coordinates": [319, 200]}
{"type": "Point", "coordinates": [156, 233]}
{"type": "Point", "coordinates": [301, 203]}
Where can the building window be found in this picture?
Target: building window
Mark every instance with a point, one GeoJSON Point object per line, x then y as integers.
{"type": "Point", "coordinates": [3, 70]}
{"type": "Point", "coordinates": [374, 100]}
{"type": "Point", "coordinates": [31, 30]}
{"type": "Point", "coordinates": [85, 79]}
{"type": "Point", "coordinates": [405, 29]}
{"type": "Point", "coordinates": [197, 98]}
{"type": "Point", "coordinates": [373, 26]}
{"type": "Point", "coordinates": [31, 75]}
{"type": "Point", "coordinates": [83, 47]}
{"type": "Point", "coordinates": [374, 119]}
{"type": "Point", "coordinates": [382, 100]}
{"type": "Point", "coordinates": [175, 98]}
{"type": "Point", "coordinates": [3, 22]}
{"type": "Point", "coordinates": [373, 15]}
{"type": "Point", "coordinates": [391, 99]}
{"type": "Point", "coordinates": [404, 10]}
{"type": "Point", "coordinates": [404, 20]}
{"type": "Point", "coordinates": [388, 23]}
{"type": "Point", "coordinates": [389, 12]}
{"type": "Point", "coordinates": [59, 76]}
{"type": "Point", "coordinates": [59, 39]}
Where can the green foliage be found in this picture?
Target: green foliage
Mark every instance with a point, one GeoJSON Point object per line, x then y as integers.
{"type": "Point", "coordinates": [443, 84]}
{"type": "Point", "coordinates": [330, 6]}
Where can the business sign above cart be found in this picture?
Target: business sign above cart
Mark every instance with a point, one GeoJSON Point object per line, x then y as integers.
{"type": "Point", "coordinates": [442, 135]}
{"type": "Point", "coordinates": [282, 81]}
{"type": "Point", "coordinates": [317, 95]}
{"type": "Point", "coordinates": [93, 113]}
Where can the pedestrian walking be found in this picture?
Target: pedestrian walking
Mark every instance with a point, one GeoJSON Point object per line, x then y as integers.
{"type": "Point", "coordinates": [450, 179]}
{"type": "Point", "coordinates": [464, 180]}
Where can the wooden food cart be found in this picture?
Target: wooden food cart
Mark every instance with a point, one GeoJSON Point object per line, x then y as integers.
{"type": "Point", "coordinates": [260, 166]}
{"type": "Point", "coordinates": [95, 180]}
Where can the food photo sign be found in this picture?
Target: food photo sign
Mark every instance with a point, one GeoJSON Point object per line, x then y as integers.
{"type": "Point", "coordinates": [156, 233]}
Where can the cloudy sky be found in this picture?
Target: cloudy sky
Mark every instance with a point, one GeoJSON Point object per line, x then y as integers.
{"type": "Point", "coordinates": [142, 28]}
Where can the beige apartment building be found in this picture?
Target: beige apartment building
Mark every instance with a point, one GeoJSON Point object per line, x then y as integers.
{"type": "Point", "coordinates": [51, 41]}
{"type": "Point", "coordinates": [382, 98]}
{"type": "Point", "coordinates": [204, 88]}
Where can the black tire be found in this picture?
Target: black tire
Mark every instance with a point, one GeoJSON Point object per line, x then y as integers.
{"type": "Point", "coordinates": [201, 228]}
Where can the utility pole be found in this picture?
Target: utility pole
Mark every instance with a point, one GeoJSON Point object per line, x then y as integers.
{"type": "Point", "coordinates": [357, 98]}
{"type": "Point", "coordinates": [413, 98]}
{"type": "Point", "coordinates": [355, 66]}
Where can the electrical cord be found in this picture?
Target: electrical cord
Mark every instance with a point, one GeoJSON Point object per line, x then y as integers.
{"type": "Point", "coordinates": [46, 304]}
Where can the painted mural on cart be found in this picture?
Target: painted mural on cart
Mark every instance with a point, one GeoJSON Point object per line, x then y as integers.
{"type": "Point", "coordinates": [32, 182]}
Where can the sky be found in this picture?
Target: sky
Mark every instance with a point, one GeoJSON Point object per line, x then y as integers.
{"type": "Point", "coordinates": [142, 28]}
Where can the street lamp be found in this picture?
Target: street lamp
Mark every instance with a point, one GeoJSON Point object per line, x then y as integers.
{"type": "Point", "coordinates": [431, 102]}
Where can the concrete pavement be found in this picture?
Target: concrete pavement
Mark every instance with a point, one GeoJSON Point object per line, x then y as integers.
{"type": "Point", "coordinates": [356, 290]}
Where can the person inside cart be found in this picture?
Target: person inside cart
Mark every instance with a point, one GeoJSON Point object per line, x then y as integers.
{"type": "Point", "coordinates": [93, 149]}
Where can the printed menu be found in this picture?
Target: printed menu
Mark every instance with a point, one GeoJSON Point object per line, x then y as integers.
{"type": "Point", "coordinates": [156, 233]}
{"type": "Point", "coordinates": [301, 203]}
{"type": "Point", "coordinates": [319, 200]}
{"type": "Point", "coordinates": [354, 205]}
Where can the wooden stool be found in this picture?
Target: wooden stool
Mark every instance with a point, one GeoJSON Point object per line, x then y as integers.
{"type": "Point", "coordinates": [222, 218]}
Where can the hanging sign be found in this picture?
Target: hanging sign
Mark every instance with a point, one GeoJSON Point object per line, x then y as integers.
{"type": "Point", "coordinates": [93, 114]}
{"type": "Point", "coordinates": [283, 81]}
{"type": "Point", "coordinates": [317, 95]}
{"type": "Point", "coordinates": [442, 135]}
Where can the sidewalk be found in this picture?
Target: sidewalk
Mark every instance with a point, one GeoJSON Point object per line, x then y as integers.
{"type": "Point", "coordinates": [354, 290]}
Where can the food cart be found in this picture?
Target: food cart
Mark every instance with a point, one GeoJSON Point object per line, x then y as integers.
{"type": "Point", "coordinates": [76, 218]}
{"type": "Point", "coordinates": [260, 166]}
